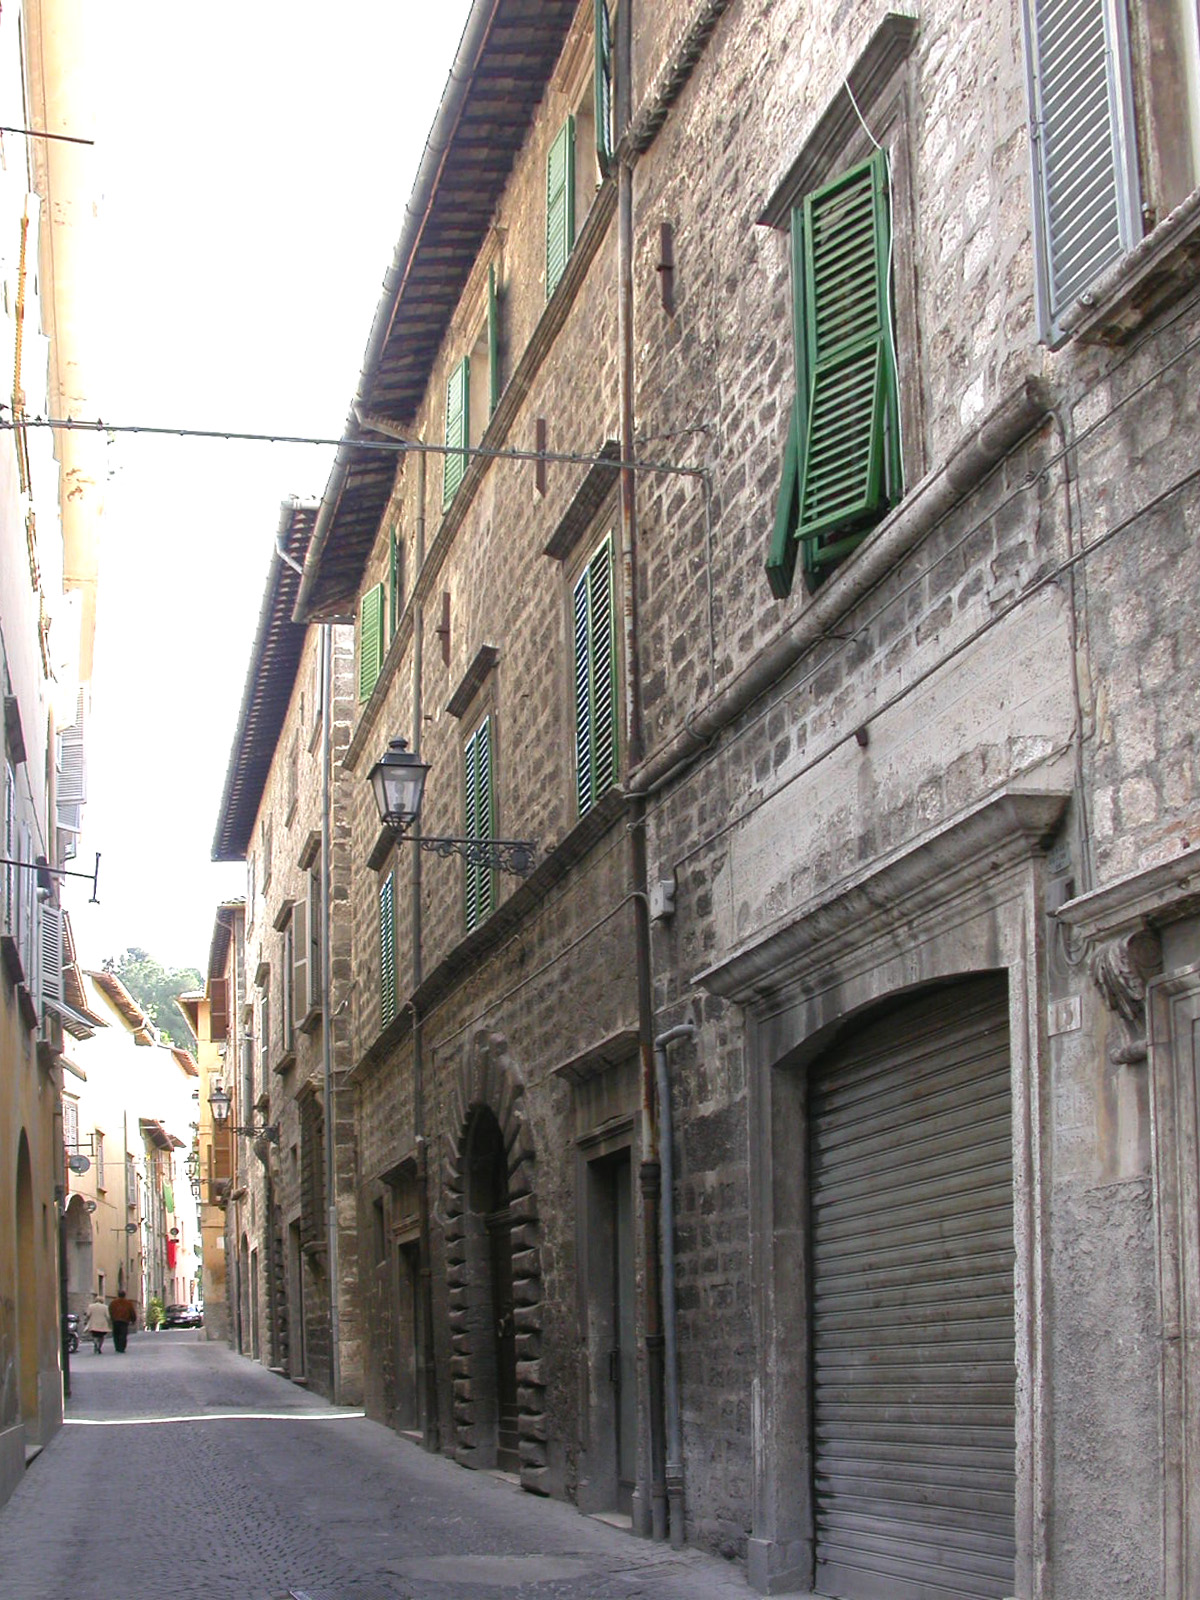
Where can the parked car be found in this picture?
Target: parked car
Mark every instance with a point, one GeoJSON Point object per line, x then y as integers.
{"type": "Point", "coordinates": [183, 1317]}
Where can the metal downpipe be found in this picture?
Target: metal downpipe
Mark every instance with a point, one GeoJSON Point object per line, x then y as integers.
{"type": "Point", "coordinates": [674, 1472]}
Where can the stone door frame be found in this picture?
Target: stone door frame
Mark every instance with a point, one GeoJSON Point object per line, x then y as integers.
{"type": "Point", "coordinates": [967, 898]}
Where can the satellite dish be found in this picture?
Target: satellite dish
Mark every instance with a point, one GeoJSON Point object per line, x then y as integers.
{"type": "Point", "coordinates": [78, 1163]}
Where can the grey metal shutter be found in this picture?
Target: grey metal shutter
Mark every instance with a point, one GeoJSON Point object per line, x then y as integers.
{"type": "Point", "coordinates": [1083, 143]}
{"type": "Point", "coordinates": [912, 1325]}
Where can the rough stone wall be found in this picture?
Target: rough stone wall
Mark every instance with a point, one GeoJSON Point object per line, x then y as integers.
{"type": "Point", "coordinates": [991, 651]}
{"type": "Point", "coordinates": [291, 809]}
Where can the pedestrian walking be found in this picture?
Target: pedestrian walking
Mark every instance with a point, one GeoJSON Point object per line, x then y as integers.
{"type": "Point", "coordinates": [97, 1322]}
{"type": "Point", "coordinates": [124, 1314]}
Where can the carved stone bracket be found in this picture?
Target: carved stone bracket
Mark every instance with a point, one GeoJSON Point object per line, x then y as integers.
{"type": "Point", "coordinates": [1121, 969]}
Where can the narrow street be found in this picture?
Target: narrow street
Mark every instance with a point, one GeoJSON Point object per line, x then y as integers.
{"type": "Point", "coordinates": [187, 1472]}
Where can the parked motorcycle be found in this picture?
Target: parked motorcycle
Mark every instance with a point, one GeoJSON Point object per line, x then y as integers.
{"type": "Point", "coordinates": [71, 1321]}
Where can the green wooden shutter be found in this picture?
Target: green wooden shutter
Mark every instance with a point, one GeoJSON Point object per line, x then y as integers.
{"type": "Point", "coordinates": [603, 95]}
{"type": "Point", "coordinates": [781, 561]}
{"type": "Point", "coordinates": [594, 611]}
{"type": "Point", "coordinates": [480, 821]}
{"type": "Point", "coordinates": [560, 204]}
{"type": "Point", "coordinates": [370, 641]}
{"type": "Point", "coordinates": [458, 411]}
{"type": "Point", "coordinates": [493, 341]}
{"type": "Point", "coordinates": [849, 458]}
{"type": "Point", "coordinates": [387, 950]}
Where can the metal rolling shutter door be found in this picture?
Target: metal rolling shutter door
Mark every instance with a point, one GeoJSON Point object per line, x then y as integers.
{"type": "Point", "coordinates": [913, 1341]}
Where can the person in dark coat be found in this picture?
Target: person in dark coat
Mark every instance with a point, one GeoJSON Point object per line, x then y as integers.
{"type": "Point", "coordinates": [124, 1314]}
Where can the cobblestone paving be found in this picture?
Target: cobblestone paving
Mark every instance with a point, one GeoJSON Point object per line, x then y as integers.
{"type": "Point", "coordinates": [185, 1472]}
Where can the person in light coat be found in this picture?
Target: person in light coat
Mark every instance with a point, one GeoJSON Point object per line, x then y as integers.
{"type": "Point", "coordinates": [97, 1322]}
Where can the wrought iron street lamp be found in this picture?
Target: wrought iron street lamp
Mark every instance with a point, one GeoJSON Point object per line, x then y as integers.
{"type": "Point", "coordinates": [398, 783]}
{"type": "Point", "coordinates": [220, 1102]}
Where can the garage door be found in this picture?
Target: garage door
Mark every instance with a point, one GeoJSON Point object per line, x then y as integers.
{"type": "Point", "coordinates": [913, 1346]}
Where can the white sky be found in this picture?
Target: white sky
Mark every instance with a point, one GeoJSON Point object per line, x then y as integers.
{"type": "Point", "coordinates": [255, 158]}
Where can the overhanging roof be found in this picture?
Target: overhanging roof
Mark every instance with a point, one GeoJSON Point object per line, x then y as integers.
{"type": "Point", "coordinates": [508, 51]}
{"type": "Point", "coordinates": [274, 662]}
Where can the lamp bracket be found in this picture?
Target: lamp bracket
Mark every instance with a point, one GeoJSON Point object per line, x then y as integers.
{"type": "Point", "coordinates": [515, 856]}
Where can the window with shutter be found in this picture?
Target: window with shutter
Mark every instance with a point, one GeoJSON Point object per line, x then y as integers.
{"type": "Point", "coordinates": [603, 89]}
{"type": "Point", "coordinates": [1085, 173]}
{"type": "Point", "coordinates": [51, 953]}
{"type": "Point", "coordinates": [560, 204]}
{"type": "Point", "coordinates": [301, 998]}
{"type": "Point", "coordinates": [595, 640]}
{"type": "Point", "coordinates": [287, 1010]}
{"type": "Point", "coordinates": [493, 341]}
{"type": "Point", "coordinates": [842, 466]}
{"type": "Point", "coordinates": [458, 411]}
{"type": "Point", "coordinates": [480, 821]}
{"type": "Point", "coordinates": [370, 641]}
{"type": "Point", "coordinates": [264, 1040]}
{"type": "Point", "coordinates": [387, 951]}
{"type": "Point", "coordinates": [10, 850]}
{"type": "Point", "coordinates": [314, 941]}
{"type": "Point", "coordinates": [395, 582]}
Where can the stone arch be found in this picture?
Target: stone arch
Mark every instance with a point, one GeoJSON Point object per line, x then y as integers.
{"type": "Point", "coordinates": [77, 1235]}
{"type": "Point", "coordinates": [493, 1150]}
{"type": "Point", "coordinates": [27, 1298]}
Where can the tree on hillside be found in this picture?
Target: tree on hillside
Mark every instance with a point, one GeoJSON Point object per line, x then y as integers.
{"type": "Point", "coordinates": [155, 987]}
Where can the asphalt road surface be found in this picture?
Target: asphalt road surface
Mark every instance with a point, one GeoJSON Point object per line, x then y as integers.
{"type": "Point", "coordinates": [185, 1472]}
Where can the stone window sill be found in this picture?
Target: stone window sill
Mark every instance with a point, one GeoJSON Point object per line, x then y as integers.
{"type": "Point", "coordinates": [1159, 268]}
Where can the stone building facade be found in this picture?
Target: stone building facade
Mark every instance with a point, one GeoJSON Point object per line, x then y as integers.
{"type": "Point", "coordinates": [289, 1235]}
{"type": "Point", "coordinates": [768, 494]}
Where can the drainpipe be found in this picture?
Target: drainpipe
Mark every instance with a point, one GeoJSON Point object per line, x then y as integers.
{"type": "Point", "coordinates": [674, 1472]}
{"type": "Point", "coordinates": [649, 1175]}
{"type": "Point", "coordinates": [330, 1101]}
{"type": "Point", "coordinates": [431, 1436]}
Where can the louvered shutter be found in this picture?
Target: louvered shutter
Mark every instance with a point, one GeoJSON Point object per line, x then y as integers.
{"type": "Point", "coordinates": [370, 643]}
{"type": "Point", "coordinates": [480, 821]}
{"type": "Point", "coordinates": [314, 939]}
{"type": "Point", "coordinates": [387, 950]}
{"type": "Point", "coordinates": [1084, 165]}
{"type": "Point", "coordinates": [595, 679]}
{"type": "Point", "coordinates": [301, 999]}
{"type": "Point", "coordinates": [264, 1038]}
{"type": "Point", "coordinates": [27, 908]}
{"type": "Point", "coordinates": [603, 87]}
{"type": "Point", "coordinates": [560, 204]}
{"type": "Point", "coordinates": [72, 776]}
{"type": "Point", "coordinates": [849, 462]}
{"type": "Point", "coordinates": [493, 342]}
{"type": "Point", "coordinates": [781, 561]}
{"type": "Point", "coordinates": [10, 841]}
{"type": "Point", "coordinates": [458, 410]}
{"type": "Point", "coordinates": [50, 951]}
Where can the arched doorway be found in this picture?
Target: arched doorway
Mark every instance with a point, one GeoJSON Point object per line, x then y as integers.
{"type": "Point", "coordinates": [493, 1261]}
{"type": "Point", "coordinates": [27, 1353]}
{"type": "Point", "coordinates": [77, 1232]}
{"type": "Point", "coordinates": [488, 1219]}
